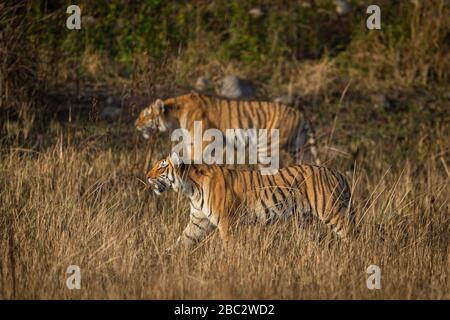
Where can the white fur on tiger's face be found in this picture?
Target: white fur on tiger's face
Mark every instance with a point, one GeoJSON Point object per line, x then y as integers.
{"type": "Point", "coordinates": [165, 175]}
{"type": "Point", "coordinates": [152, 119]}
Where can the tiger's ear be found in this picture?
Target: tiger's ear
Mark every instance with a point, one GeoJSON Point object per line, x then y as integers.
{"type": "Point", "coordinates": [159, 104]}
{"type": "Point", "coordinates": [176, 159]}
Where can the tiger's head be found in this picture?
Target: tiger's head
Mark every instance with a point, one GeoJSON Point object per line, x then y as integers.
{"type": "Point", "coordinates": [167, 173]}
{"type": "Point", "coordinates": [153, 119]}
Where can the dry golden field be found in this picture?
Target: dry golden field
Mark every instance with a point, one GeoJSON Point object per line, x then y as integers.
{"type": "Point", "coordinates": [82, 201]}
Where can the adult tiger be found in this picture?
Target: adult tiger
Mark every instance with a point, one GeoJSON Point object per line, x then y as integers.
{"type": "Point", "coordinates": [295, 131]}
{"type": "Point", "coordinates": [220, 197]}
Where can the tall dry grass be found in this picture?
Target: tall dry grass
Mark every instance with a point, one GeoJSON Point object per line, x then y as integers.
{"type": "Point", "coordinates": [81, 202]}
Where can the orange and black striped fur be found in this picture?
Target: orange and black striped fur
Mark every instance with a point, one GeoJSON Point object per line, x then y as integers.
{"type": "Point", "coordinates": [220, 197]}
{"type": "Point", "coordinates": [295, 131]}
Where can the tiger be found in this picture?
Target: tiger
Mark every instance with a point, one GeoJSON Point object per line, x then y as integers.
{"type": "Point", "coordinates": [220, 197]}
{"type": "Point", "coordinates": [295, 131]}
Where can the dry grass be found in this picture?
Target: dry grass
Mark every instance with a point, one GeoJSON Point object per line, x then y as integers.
{"type": "Point", "coordinates": [80, 201]}
{"type": "Point", "coordinates": [418, 57]}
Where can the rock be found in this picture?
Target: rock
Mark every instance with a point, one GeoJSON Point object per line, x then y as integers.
{"type": "Point", "coordinates": [202, 84]}
{"type": "Point", "coordinates": [343, 7]}
{"type": "Point", "coordinates": [256, 12]}
{"type": "Point", "coordinates": [111, 113]}
{"type": "Point", "coordinates": [233, 87]}
{"type": "Point", "coordinates": [307, 3]}
{"type": "Point", "coordinates": [109, 100]}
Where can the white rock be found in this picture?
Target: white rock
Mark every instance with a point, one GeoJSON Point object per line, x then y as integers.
{"type": "Point", "coordinates": [109, 100]}
{"type": "Point", "coordinates": [343, 7]}
{"type": "Point", "coordinates": [233, 87]}
{"type": "Point", "coordinates": [256, 12]}
{"type": "Point", "coordinates": [111, 113]}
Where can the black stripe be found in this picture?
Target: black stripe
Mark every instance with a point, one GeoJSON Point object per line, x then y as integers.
{"type": "Point", "coordinates": [329, 182]}
{"type": "Point", "coordinates": [288, 186]}
{"type": "Point", "coordinates": [250, 110]}
{"type": "Point", "coordinates": [285, 181]}
{"type": "Point", "coordinates": [254, 183]}
{"type": "Point", "coordinates": [273, 185]}
{"type": "Point", "coordinates": [190, 237]}
{"type": "Point", "coordinates": [250, 179]}
{"type": "Point", "coordinates": [305, 185]}
{"type": "Point", "coordinates": [202, 98]}
{"type": "Point", "coordinates": [296, 175]}
{"type": "Point", "coordinates": [199, 209]}
{"type": "Point", "coordinates": [247, 179]}
{"type": "Point", "coordinates": [202, 197]}
{"type": "Point", "coordinates": [261, 185]}
{"type": "Point", "coordinates": [229, 125]}
{"type": "Point", "coordinates": [266, 207]}
{"type": "Point", "coordinates": [289, 173]}
{"type": "Point", "coordinates": [239, 115]}
{"type": "Point", "coordinates": [323, 189]}
{"type": "Point", "coordinates": [314, 188]}
{"type": "Point", "coordinates": [269, 114]}
{"type": "Point", "coordinates": [198, 226]}
{"type": "Point", "coordinates": [283, 191]}
{"type": "Point", "coordinates": [274, 201]}
{"type": "Point", "coordinates": [258, 116]}
{"type": "Point", "coordinates": [339, 180]}
{"type": "Point", "coordinates": [218, 219]}
{"type": "Point", "coordinates": [263, 123]}
{"type": "Point", "coordinates": [265, 187]}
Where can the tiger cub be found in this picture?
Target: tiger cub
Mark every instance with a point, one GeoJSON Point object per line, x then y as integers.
{"type": "Point", "coordinates": [296, 137]}
{"type": "Point", "coordinates": [219, 197]}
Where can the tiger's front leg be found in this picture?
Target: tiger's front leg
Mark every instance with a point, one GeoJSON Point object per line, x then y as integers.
{"type": "Point", "coordinates": [197, 229]}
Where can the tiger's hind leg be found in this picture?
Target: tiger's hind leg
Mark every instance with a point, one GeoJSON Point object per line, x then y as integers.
{"type": "Point", "coordinates": [222, 218]}
{"type": "Point", "coordinates": [225, 234]}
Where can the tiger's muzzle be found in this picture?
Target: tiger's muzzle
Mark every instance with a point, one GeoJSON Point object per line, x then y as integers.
{"type": "Point", "coordinates": [158, 186]}
{"type": "Point", "coordinates": [147, 132]}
